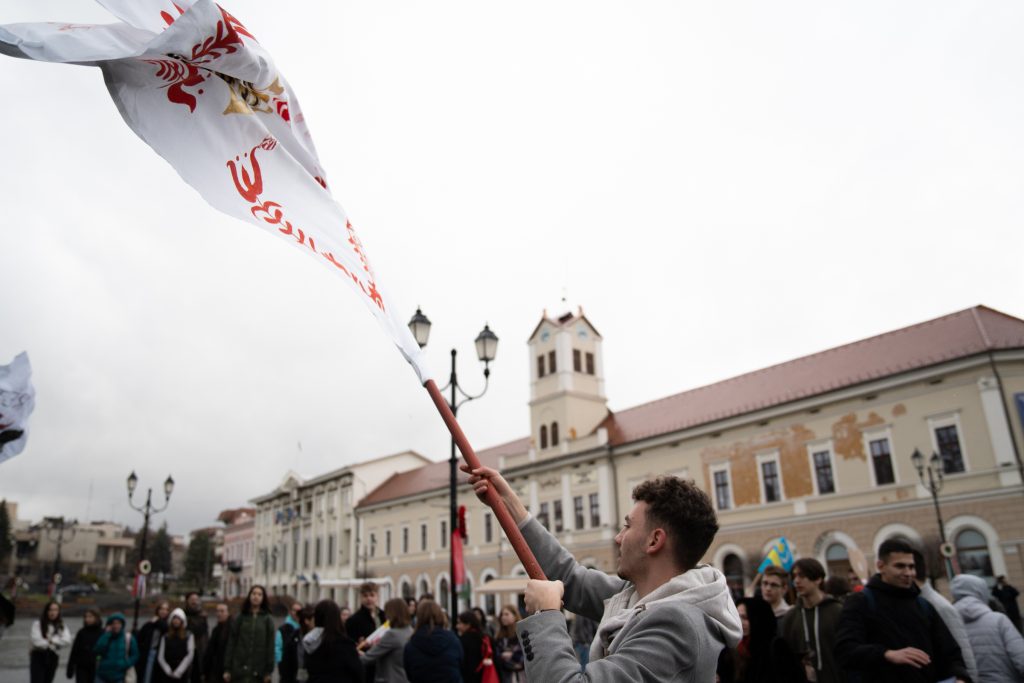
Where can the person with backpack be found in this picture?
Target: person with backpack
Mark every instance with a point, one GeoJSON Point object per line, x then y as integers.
{"type": "Point", "coordinates": [888, 633]}
{"type": "Point", "coordinates": [289, 634]}
{"type": "Point", "coordinates": [116, 650]}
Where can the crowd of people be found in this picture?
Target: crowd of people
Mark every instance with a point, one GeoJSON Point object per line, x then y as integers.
{"type": "Point", "coordinates": [663, 617]}
{"type": "Point", "coordinates": [801, 626]}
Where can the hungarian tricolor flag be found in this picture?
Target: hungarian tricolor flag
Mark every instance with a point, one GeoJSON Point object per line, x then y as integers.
{"type": "Point", "coordinates": [194, 83]}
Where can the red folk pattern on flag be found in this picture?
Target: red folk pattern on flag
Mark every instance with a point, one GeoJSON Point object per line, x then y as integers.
{"type": "Point", "coordinates": [249, 184]}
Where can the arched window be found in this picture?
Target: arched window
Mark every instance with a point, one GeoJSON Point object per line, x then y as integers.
{"type": "Point", "coordinates": [837, 559]}
{"type": "Point", "coordinates": [442, 593]}
{"type": "Point", "coordinates": [972, 553]}
{"type": "Point", "coordinates": [424, 587]}
{"type": "Point", "coordinates": [490, 601]}
{"type": "Point", "coordinates": [554, 433]}
{"type": "Point", "coordinates": [732, 567]}
{"type": "Point", "coordinates": [407, 590]}
{"type": "Point", "coordinates": [543, 436]}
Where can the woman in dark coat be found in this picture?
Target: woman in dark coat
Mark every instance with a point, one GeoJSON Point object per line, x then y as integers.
{"type": "Point", "coordinates": [477, 650]}
{"type": "Point", "coordinates": [330, 655]}
{"type": "Point", "coordinates": [763, 657]}
{"type": "Point", "coordinates": [249, 657]}
{"type": "Point", "coordinates": [433, 654]}
{"type": "Point", "coordinates": [508, 653]}
{"type": "Point", "coordinates": [176, 651]}
{"type": "Point", "coordinates": [82, 660]}
{"type": "Point", "coordinates": [147, 638]}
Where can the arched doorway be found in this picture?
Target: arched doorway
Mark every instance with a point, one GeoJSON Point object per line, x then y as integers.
{"type": "Point", "coordinates": [837, 560]}
{"type": "Point", "coordinates": [732, 568]}
{"type": "Point", "coordinates": [973, 555]}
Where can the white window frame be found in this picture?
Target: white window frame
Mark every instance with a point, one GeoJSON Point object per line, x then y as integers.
{"type": "Point", "coordinates": [817, 447]}
{"type": "Point", "coordinates": [722, 467]}
{"type": "Point", "coordinates": [770, 456]}
{"type": "Point", "coordinates": [882, 432]}
{"type": "Point", "coordinates": [950, 419]}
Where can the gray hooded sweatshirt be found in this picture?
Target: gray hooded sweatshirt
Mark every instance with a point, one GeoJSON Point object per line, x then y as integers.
{"type": "Point", "coordinates": [673, 634]}
{"type": "Point", "coordinates": [998, 647]}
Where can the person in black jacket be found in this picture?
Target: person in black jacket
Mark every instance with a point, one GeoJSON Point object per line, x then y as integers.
{"type": "Point", "coordinates": [291, 635]}
{"type": "Point", "coordinates": [762, 656]}
{"type": "Point", "coordinates": [330, 655]}
{"type": "Point", "coordinates": [433, 654]}
{"type": "Point", "coordinates": [147, 638]}
{"type": "Point", "coordinates": [472, 637]}
{"type": "Point", "coordinates": [888, 634]}
{"type": "Point", "coordinates": [213, 658]}
{"type": "Point", "coordinates": [198, 627]}
{"type": "Point", "coordinates": [82, 660]}
{"type": "Point", "coordinates": [366, 619]}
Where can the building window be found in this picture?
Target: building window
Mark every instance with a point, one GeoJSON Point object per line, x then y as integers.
{"type": "Point", "coordinates": [330, 550]}
{"type": "Point", "coordinates": [540, 366]}
{"type": "Point", "coordinates": [543, 436]}
{"type": "Point", "coordinates": [554, 433]}
{"type": "Point", "coordinates": [723, 493]}
{"type": "Point", "coordinates": [595, 511]}
{"type": "Point", "coordinates": [771, 482]}
{"type": "Point", "coordinates": [488, 528]}
{"type": "Point", "coordinates": [590, 363]}
{"type": "Point", "coordinates": [373, 545]}
{"type": "Point", "coordinates": [823, 472]}
{"type": "Point", "coordinates": [552, 366]}
{"type": "Point", "coordinates": [405, 540]}
{"type": "Point", "coordinates": [881, 460]}
{"type": "Point", "coordinates": [305, 554]}
{"type": "Point", "coordinates": [319, 557]}
{"type": "Point", "coordinates": [837, 560]}
{"type": "Point", "coordinates": [444, 533]}
{"type": "Point", "coordinates": [577, 508]}
{"type": "Point", "coordinates": [577, 360]}
{"type": "Point", "coordinates": [557, 507]}
{"type": "Point", "coordinates": [387, 542]}
{"type": "Point", "coordinates": [423, 536]}
{"type": "Point", "coordinates": [732, 568]}
{"type": "Point", "coordinates": [948, 441]}
{"type": "Point", "coordinates": [542, 516]}
{"type": "Point", "coordinates": [972, 554]}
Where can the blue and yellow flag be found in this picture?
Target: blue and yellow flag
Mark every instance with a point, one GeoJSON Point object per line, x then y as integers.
{"type": "Point", "coordinates": [780, 555]}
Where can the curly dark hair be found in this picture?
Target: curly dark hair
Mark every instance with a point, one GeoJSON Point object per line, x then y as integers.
{"type": "Point", "coordinates": [684, 511]}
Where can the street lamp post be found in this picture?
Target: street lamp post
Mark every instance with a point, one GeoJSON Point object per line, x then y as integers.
{"type": "Point", "coordinates": [147, 509]}
{"type": "Point", "coordinates": [934, 470]}
{"type": "Point", "coordinates": [58, 524]}
{"type": "Point", "coordinates": [486, 348]}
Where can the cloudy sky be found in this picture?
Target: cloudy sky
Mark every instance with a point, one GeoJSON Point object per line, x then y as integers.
{"type": "Point", "coordinates": [720, 186]}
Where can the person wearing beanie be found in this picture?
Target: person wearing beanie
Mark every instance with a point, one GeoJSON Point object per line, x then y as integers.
{"type": "Point", "coordinates": [998, 647]}
{"type": "Point", "coordinates": [116, 649]}
{"type": "Point", "coordinates": [176, 651]}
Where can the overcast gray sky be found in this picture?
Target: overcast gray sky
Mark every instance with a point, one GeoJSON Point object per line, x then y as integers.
{"type": "Point", "coordinates": [722, 186]}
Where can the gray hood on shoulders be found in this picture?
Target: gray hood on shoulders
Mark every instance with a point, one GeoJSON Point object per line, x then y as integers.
{"type": "Point", "coordinates": [704, 587]}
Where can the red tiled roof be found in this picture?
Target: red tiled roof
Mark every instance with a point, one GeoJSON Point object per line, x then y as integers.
{"type": "Point", "coordinates": [958, 335]}
{"type": "Point", "coordinates": [435, 475]}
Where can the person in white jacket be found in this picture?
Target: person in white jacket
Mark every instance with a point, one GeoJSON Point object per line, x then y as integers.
{"type": "Point", "coordinates": [176, 651]}
{"type": "Point", "coordinates": [998, 646]}
{"type": "Point", "coordinates": [49, 635]}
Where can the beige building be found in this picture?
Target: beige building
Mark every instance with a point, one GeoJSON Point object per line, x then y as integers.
{"type": "Point", "coordinates": [307, 542]}
{"type": "Point", "coordinates": [816, 449]}
{"type": "Point", "coordinates": [239, 552]}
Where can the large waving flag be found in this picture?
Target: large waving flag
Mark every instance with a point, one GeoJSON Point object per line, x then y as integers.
{"type": "Point", "coordinates": [779, 555]}
{"type": "Point", "coordinates": [195, 84]}
{"type": "Point", "coordinates": [17, 399]}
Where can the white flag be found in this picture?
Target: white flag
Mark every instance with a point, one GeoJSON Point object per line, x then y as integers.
{"type": "Point", "coordinates": [195, 84]}
{"type": "Point", "coordinates": [17, 399]}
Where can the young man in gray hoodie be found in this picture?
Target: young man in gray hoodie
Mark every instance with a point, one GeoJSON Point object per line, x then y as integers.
{"type": "Point", "coordinates": [665, 618]}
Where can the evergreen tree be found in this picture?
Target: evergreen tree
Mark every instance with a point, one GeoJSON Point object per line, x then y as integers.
{"type": "Point", "coordinates": [199, 560]}
{"type": "Point", "coordinates": [160, 553]}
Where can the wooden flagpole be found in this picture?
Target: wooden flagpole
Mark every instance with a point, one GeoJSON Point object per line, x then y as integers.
{"type": "Point", "coordinates": [515, 537]}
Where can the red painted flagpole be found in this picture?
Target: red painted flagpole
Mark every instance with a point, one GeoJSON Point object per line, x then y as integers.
{"type": "Point", "coordinates": [515, 537]}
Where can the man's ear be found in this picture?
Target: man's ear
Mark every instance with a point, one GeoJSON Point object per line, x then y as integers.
{"type": "Point", "coordinates": [879, 564]}
{"type": "Point", "coordinates": [656, 540]}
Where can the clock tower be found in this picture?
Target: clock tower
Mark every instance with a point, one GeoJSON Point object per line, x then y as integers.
{"type": "Point", "coordinates": [567, 399]}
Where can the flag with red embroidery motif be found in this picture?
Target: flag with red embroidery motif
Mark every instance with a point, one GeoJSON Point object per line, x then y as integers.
{"type": "Point", "coordinates": [197, 86]}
